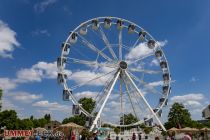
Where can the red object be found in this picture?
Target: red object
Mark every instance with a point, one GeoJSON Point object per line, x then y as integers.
{"type": "Point", "coordinates": [18, 133]}
{"type": "Point", "coordinates": [73, 136]}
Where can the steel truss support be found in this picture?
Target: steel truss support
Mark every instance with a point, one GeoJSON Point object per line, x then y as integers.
{"type": "Point", "coordinates": [102, 106]}
{"type": "Point", "coordinates": [142, 96]}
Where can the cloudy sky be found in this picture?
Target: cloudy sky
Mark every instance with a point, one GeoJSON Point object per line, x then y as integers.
{"type": "Point", "coordinates": [31, 33]}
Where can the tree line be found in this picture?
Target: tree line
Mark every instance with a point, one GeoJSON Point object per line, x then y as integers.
{"type": "Point", "coordinates": [178, 117]}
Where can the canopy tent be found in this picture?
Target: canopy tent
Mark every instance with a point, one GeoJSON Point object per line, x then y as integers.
{"type": "Point", "coordinates": [69, 126]}
{"type": "Point", "coordinates": [173, 129]}
{"type": "Point", "coordinates": [188, 129]}
{"type": "Point", "coordinates": [205, 129]}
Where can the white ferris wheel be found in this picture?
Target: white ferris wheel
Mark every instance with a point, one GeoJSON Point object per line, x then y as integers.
{"type": "Point", "coordinates": [121, 66]}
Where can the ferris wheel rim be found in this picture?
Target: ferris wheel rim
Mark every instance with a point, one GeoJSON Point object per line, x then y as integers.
{"type": "Point", "coordinates": [78, 27]}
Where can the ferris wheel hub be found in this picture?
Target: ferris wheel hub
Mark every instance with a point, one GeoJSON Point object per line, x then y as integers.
{"type": "Point", "coordinates": [123, 65]}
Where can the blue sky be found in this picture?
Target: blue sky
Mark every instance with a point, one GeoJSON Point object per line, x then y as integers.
{"type": "Point", "coordinates": [31, 33]}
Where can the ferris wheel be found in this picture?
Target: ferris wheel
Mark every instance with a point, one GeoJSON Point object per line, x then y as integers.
{"type": "Point", "coordinates": [118, 64]}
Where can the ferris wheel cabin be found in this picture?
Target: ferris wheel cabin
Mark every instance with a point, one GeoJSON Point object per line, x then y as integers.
{"type": "Point", "coordinates": [142, 35]}
{"type": "Point", "coordinates": [131, 28]}
{"type": "Point", "coordinates": [119, 24]}
{"type": "Point", "coordinates": [95, 24]}
{"type": "Point", "coordinates": [151, 44]}
{"type": "Point", "coordinates": [107, 23]}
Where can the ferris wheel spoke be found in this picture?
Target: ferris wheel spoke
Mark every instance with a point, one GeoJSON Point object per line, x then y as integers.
{"type": "Point", "coordinates": [129, 96]}
{"type": "Point", "coordinates": [103, 92]}
{"type": "Point", "coordinates": [144, 71]}
{"type": "Point", "coordinates": [106, 41]}
{"type": "Point", "coordinates": [121, 100]}
{"type": "Point", "coordinates": [139, 59]}
{"type": "Point", "coordinates": [92, 63]}
{"type": "Point", "coordinates": [107, 96]}
{"type": "Point", "coordinates": [93, 48]}
{"type": "Point", "coordinates": [146, 85]}
{"type": "Point", "coordinates": [135, 43]}
{"type": "Point", "coordinates": [135, 96]}
{"type": "Point", "coordinates": [145, 101]}
{"type": "Point", "coordinates": [91, 80]}
{"type": "Point", "coordinates": [120, 44]}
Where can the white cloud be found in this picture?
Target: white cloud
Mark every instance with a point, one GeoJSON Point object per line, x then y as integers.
{"type": "Point", "coordinates": [8, 40]}
{"type": "Point", "coordinates": [8, 105]}
{"type": "Point", "coordinates": [49, 70]}
{"type": "Point", "coordinates": [142, 50]}
{"type": "Point", "coordinates": [28, 75]}
{"type": "Point", "coordinates": [23, 97]}
{"type": "Point", "coordinates": [85, 75]}
{"type": "Point", "coordinates": [154, 62]}
{"type": "Point", "coordinates": [87, 94]}
{"type": "Point", "coordinates": [156, 83]}
{"type": "Point", "coordinates": [39, 71]}
{"type": "Point", "coordinates": [7, 84]}
{"type": "Point", "coordinates": [162, 43]}
{"type": "Point", "coordinates": [50, 105]}
{"type": "Point", "coordinates": [41, 7]}
{"type": "Point", "coordinates": [41, 32]}
{"type": "Point", "coordinates": [188, 97]}
{"type": "Point", "coordinates": [139, 51]}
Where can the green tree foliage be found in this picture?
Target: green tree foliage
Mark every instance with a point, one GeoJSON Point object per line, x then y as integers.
{"type": "Point", "coordinates": [25, 124]}
{"type": "Point", "coordinates": [1, 92]}
{"type": "Point", "coordinates": [147, 130]}
{"type": "Point", "coordinates": [39, 122]}
{"type": "Point", "coordinates": [80, 120]}
{"type": "Point", "coordinates": [178, 116]}
{"type": "Point", "coordinates": [8, 118]}
{"type": "Point", "coordinates": [128, 119]}
{"type": "Point", "coordinates": [47, 117]}
{"type": "Point", "coordinates": [88, 104]}
{"type": "Point", "coordinates": [116, 130]}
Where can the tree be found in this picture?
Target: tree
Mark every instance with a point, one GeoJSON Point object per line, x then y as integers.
{"type": "Point", "coordinates": [88, 104]}
{"type": "Point", "coordinates": [47, 117]}
{"type": "Point", "coordinates": [147, 130]}
{"type": "Point", "coordinates": [1, 92]}
{"type": "Point", "coordinates": [116, 130]}
{"type": "Point", "coordinates": [178, 117]}
{"type": "Point", "coordinates": [128, 119]}
{"type": "Point", "coordinates": [25, 124]}
{"type": "Point", "coordinates": [9, 119]}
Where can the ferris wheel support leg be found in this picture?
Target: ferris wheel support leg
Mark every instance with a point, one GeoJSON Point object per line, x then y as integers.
{"type": "Point", "coordinates": [102, 106]}
{"type": "Point", "coordinates": [150, 108]}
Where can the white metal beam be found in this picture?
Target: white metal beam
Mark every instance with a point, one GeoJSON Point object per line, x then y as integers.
{"type": "Point", "coordinates": [95, 49]}
{"type": "Point", "coordinates": [150, 108]}
{"type": "Point", "coordinates": [120, 44]}
{"type": "Point", "coordinates": [106, 41]}
{"type": "Point", "coordinates": [102, 106]}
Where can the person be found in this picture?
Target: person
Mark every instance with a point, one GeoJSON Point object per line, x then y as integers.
{"type": "Point", "coordinates": [134, 136]}
{"type": "Point", "coordinates": [139, 135]}
{"type": "Point", "coordinates": [108, 138]}
{"type": "Point", "coordinates": [37, 137]}
{"type": "Point", "coordinates": [201, 137]}
{"type": "Point", "coordinates": [157, 138]}
{"type": "Point", "coordinates": [187, 137]}
{"type": "Point", "coordinates": [95, 136]}
{"type": "Point", "coordinates": [73, 136]}
{"type": "Point", "coordinates": [168, 138]}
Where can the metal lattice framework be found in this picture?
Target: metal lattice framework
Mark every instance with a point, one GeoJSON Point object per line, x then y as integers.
{"type": "Point", "coordinates": [114, 58]}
